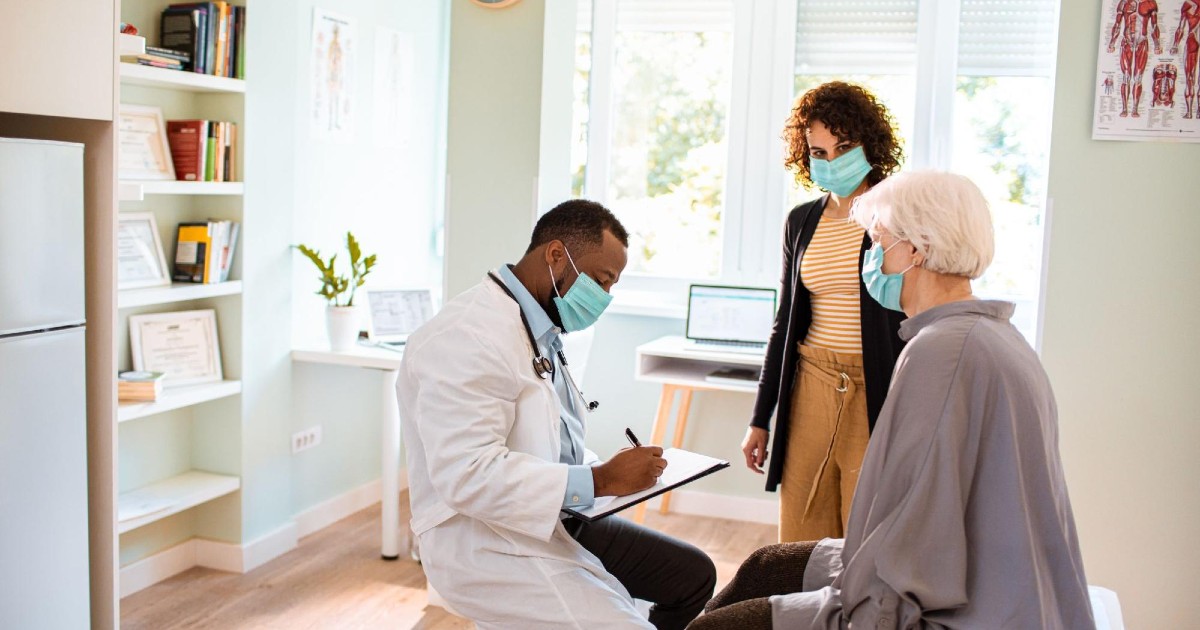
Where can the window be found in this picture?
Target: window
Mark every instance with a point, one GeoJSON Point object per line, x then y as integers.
{"type": "Point", "coordinates": [665, 75]}
{"type": "Point", "coordinates": [1001, 136]}
{"type": "Point", "coordinates": [680, 108]}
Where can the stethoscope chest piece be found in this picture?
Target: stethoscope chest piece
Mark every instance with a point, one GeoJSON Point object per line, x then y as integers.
{"type": "Point", "coordinates": [543, 367]}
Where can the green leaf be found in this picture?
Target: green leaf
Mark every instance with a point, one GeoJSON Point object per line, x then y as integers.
{"type": "Point", "coordinates": [355, 250]}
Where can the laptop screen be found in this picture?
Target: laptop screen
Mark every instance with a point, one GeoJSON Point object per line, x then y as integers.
{"type": "Point", "coordinates": [730, 313]}
{"type": "Point", "coordinates": [397, 313]}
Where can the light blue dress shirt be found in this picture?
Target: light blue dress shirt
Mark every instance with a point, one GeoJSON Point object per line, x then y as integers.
{"type": "Point", "coordinates": [581, 491]}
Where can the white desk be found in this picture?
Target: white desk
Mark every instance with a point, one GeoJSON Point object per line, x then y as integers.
{"type": "Point", "coordinates": [682, 368]}
{"type": "Point", "coordinates": [387, 362]}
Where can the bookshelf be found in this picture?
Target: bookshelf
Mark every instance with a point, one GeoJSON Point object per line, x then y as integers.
{"type": "Point", "coordinates": [179, 456]}
{"type": "Point", "coordinates": [134, 74]}
{"type": "Point", "coordinates": [176, 292]}
{"type": "Point", "coordinates": [156, 501]}
{"type": "Point", "coordinates": [137, 190]}
{"type": "Point", "coordinates": [178, 398]}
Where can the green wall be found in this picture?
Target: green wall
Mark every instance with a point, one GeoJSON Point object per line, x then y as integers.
{"type": "Point", "coordinates": [1120, 338]}
{"type": "Point", "coordinates": [492, 147]}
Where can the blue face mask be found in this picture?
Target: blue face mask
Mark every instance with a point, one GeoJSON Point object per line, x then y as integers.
{"type": "Point", "coordinates": [583, 303]}
{"type": "Point", "coordinates": [884, 287]}
{"type": "Point", "coordinates": [841, 175]}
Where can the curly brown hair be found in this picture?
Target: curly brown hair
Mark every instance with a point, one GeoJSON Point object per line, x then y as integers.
{"type": "Point", "coordinates": [851, 113]}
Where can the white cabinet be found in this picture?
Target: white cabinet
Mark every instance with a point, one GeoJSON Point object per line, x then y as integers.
{"type": "Point", "coordinates": [58, 58]}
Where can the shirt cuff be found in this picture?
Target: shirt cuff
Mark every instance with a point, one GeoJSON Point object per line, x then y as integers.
{"type": "Point", "coordinates": [824, 564]}
{"type": "Point", "coordinates": [581, 490]}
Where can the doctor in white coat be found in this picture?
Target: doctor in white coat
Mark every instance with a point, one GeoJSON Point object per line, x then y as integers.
{"type": "Point", "coordinates": [494, 427]}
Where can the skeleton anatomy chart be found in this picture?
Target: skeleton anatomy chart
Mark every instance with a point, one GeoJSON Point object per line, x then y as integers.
{"type": "Point", "coordinates": [1147, 79]}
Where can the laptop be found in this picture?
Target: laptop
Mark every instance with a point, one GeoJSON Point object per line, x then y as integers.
{"type": "Point", "coordinates": [729, 319]}
{"type": "Point", "coordinates": [396, 314]}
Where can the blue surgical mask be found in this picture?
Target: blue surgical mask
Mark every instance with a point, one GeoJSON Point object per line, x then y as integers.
{"type": "Point", "coordinates": [884, 287]}
{"type": "Point", "coordinates": [841, 175]}
{"type": "Point", "coordinates": [583, 303]}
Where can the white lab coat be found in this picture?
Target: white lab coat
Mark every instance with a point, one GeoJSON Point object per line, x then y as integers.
{"type": "Point", "coordinates": [482, 436]}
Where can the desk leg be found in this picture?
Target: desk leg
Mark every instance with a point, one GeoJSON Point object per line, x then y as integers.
{"type": "Point", "coordinates": [681, 418]}
{"type": "Point", "coordinates": [391, 467]}
{"type": "Point", "coordinates": [657, 434]}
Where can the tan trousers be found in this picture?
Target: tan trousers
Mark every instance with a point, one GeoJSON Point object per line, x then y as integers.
{"type": "Point", "coordinates": [826, 443]}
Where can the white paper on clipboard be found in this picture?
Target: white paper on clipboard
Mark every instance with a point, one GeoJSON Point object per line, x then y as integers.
{"type": "Point", "coordinates": [683, 467]}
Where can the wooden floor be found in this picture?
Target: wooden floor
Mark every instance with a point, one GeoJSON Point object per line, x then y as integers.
{"type": "Point", "coordinates": [336, 579]}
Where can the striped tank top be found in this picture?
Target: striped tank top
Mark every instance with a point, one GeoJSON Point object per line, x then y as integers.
{"type": "Point", "coordinates": [830, 272]}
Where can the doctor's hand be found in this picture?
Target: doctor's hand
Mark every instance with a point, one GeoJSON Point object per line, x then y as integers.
{"type": "Point", "coordinates": [754, 447]}
{"type": "Point", "coordinates": [630, 470]}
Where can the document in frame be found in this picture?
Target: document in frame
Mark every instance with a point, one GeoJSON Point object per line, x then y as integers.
{"type": "Point", "coordinates": [683, 467]}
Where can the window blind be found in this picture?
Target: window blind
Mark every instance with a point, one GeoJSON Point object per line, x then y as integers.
{"type": "Point", "coordinates": [1007, 37]}
{"type": "Point", "coordinates": [856, 36]}
{"type": "Point", "coordinates": [673, 16]}
{"type": "Point", "coordinates": [996, 37]}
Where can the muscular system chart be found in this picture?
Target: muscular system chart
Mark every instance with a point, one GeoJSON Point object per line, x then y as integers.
{"type": "Point", "coordinates": [1147, 78]}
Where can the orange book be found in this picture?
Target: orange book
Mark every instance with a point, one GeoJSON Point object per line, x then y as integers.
{"type": "Point", "coordinates": [222, 65]}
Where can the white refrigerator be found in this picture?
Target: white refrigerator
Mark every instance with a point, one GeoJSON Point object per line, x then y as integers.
{"type": "Point", "coordinates": [43, 414]}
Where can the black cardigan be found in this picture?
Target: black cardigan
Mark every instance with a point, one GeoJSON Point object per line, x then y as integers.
{"type": "Point", "coordinates": [880, 341]}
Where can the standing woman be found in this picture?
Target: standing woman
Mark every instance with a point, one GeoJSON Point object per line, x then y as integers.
{"type": "Point", "coordinates": [832, 347]}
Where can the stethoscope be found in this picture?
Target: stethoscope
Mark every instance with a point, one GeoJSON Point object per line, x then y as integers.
{"type": "Point", "coordinates": [542, 366]}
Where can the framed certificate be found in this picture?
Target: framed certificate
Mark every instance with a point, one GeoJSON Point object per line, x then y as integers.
{"type": "Point", "coordinates": [143, 152]}
{"type": "Point", "coordinates": [183, 345]}
{"type": "Point", "coordinates": [140, 260]}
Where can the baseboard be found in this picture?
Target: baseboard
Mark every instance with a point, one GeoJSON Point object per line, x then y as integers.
{"type": "Point", "coordinates": [158, 567]}
{"type": "Point", "coordinates": [223, 556]}
{"type": "Point", "coordinates": [328, 512]}
{"type": "Point", "coordinates": [765, 511]}
{"type": "Point", "coordinates": [268, 547]}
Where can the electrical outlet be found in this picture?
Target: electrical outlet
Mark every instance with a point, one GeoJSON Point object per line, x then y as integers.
{"type": "Point", "coordinates": [306, 439]}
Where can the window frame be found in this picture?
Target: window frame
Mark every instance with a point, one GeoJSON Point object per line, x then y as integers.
{"type": "Point", "coordinates": [756, 183]}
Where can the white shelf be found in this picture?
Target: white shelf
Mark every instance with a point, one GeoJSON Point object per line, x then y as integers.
{"type": "Point", "coordinates": [137, 74]}
{"type": "Point", "coordinates": [176, 292]}
{"type": "Point", "coordinates": [673, 361]}
{"type": "Point", "coordinates": [131, 44]}
{"type": "Point", "coordinates": [177, 398]}
{"type": "Point", "coordinates": [130, 190]}
{"type": "Point", "coordinates": [359, 356]}
{"type": "Point", "coordinates": [171, 496]}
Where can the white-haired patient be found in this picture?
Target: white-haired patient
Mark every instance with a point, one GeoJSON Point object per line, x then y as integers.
{"type": "Point", "coordinates": [961, 517]}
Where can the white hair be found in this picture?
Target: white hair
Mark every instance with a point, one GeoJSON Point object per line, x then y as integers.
{"type": "Point", "coordinates": [942, 214]}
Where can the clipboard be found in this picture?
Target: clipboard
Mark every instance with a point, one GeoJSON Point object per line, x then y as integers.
{"type": "Point", "coordinates": [683, 467]}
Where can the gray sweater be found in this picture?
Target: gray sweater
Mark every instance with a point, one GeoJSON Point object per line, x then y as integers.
{"type": "Point", "coordinates": [961, 517]}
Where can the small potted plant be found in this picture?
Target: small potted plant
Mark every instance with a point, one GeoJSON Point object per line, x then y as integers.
{"type": "Point", "coordinates": [341, 315]}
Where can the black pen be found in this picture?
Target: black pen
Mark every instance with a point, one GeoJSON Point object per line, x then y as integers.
{"type": "Point", "coordinates": [632, 438]}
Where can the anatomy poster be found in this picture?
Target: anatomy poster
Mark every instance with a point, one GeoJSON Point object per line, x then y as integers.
{"type": "Point", "coordinates": [1146, 76]}
{"type": "Point", "coordinates": [333, 53]}
{"type": "Point", "coordinates": [394, 57]}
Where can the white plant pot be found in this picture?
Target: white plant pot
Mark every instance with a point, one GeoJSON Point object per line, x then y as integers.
{"type": "Point", "coordinates": [341, 324]}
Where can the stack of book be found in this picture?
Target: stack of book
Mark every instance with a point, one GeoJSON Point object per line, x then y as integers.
{"type": "Point", "coordinates": [203, 150]}
{"type": "Point", "coordinates": [212, 33]}
{"type": "Point", "coordinates": [139, 386]}
{"type": "Point", "coordinates": [204, 251]}
{"type": "Point", "coordinates": [161, 58]}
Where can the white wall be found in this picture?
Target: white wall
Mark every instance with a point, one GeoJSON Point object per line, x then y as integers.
{"type": "Point", "coordinates": [388, 194]}
{"type": "Point", "coordinates": [1121, 339]}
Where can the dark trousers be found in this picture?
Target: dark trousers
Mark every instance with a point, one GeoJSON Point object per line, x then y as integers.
{"type": "Point", "coordinates": [675, 576]}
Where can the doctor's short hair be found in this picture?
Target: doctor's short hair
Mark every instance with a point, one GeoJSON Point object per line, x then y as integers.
{"type": "Point", "coordinates": [580, 224]}
{"type": "Point", "coordinates": [944, 215]}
